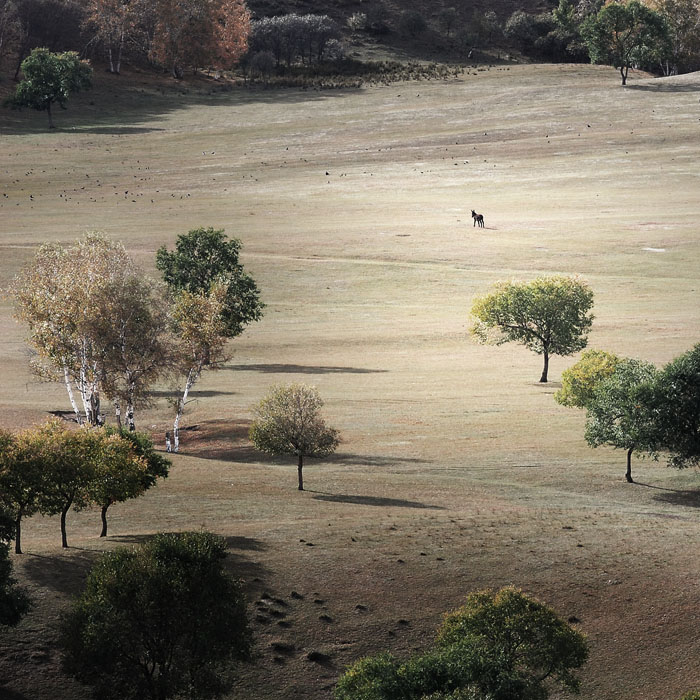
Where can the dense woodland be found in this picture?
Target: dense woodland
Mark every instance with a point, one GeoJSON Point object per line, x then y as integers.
{"type": "Point", "coordinates": [263, 38]}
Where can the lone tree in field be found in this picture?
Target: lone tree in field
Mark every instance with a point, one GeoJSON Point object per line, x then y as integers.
{"type": "Point", "coordinates": [620, 414]}
{"type": "Point", "coordinates": [158, 622]}
{"type": "Point", "coordinates": [624, 34]}
{"type": "Point", "coordinates": [548, 316]}
{"type": "Point", "coordinates": [288, 422]}
{"type": "Point", "coordinates": [498, 646]}
{"type": "Point", "coordinates": [49, 79]}
{"type": "Point", "coordinates": [578, 383]}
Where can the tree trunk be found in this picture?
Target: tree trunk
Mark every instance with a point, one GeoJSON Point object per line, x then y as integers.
{"type": "Point", "coordinates": [119, 53]}
{"type": "Point", "coordinates": [300, 466]}
{"type": "Point", "coordinates": [192, 377]}
{"type": "Point", "coordinates": [71, 397]}
{"type": "Point", "coordinates": [111, 60]}
{"type": "Point", "coordinates": [623, 73]}
{"type": "Point", "coordinates": [64, 512]}
{"type": "Point", "coordinates": [545, 369]}
{"type": "Point", "coordinates": [104, 520]}
{"type": "Point", "coordinates": [18, 533]}
{"type": "Point", "coordinates": [628, 474]}
{"type": "Point", "coordinates": [118, 414]}
{"type": "Point", "coordinates": [48, 111]}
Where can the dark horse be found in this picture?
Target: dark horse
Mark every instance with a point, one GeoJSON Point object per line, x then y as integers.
{"type": "Point", "coordinates": [478, 219]}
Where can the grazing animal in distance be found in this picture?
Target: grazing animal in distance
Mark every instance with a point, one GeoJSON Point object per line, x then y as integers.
{"type": "Point", "coordinates": [478, 219]}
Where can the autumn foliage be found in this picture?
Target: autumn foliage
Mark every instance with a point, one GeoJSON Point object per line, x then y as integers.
{"type": "Point", "coordinates": [197, 33]}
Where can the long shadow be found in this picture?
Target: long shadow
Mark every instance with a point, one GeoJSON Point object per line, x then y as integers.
{"type": "Point", "coordinates": [301, 369]}
{"type": "Point", "coordinates": [662, 87]}
{"type": "Point", "coordinates": [676, 497]}
{"type": "Point", "coordinates": [64, 573]}
{"type": "Point", "coordinates": [115, 102]}
{"type": "Point", "coordinates": [372, 501]}
{"type": "Point", "coordinates": [195, 394]}
{"type": "Point", "coordinates": [374, 460]}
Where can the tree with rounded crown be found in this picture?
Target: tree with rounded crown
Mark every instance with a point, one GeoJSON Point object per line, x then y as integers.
{"type": "Point", "coordinates": [623, 34]}
{"type": "Point", "coordinates": [500, 645]}
{"type": "Point", "coordinates": [549, 316]}
{"type": "Point", "coordinates": [288, 422]}
{"type": "Point", "coordinates": [161, 621]}
{"type": "Point", "coordinates": [49, 78]}
{"type": "Point", "coordinates": [620, 414]}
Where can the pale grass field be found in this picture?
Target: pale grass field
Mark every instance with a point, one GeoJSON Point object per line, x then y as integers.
{"type": "Point", "coordinates": [457, 469]}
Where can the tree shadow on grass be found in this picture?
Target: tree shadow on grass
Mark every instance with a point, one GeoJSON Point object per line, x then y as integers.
{"type": "Point", "coordinates": [64, 573]}
{"type": "Point", "coordinates": [111, 106]}
{"type": "Point", "coordinates": [196, 394]}
{"type": "Point", "coordinates": [665, 87]}
{"type": "Point", "coordinates": [8, 694]}
{"type": "Point", "coordinates": [301, 369]}
{"type": "Point", "coordinates": [371, 501]}
{"type": "Point", "coordinates": [677, 497]}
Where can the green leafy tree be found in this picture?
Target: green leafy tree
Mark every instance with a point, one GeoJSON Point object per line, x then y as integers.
{"type": "Point", "coordinates": [288, 422]}
{"type": "Point", "coordinates": [49, 79]}
{"type": "Point", "coordinates": [674, 401]}
{"type": "Point", "coordinates": [14, 601]}
{"type": "Point", "coordinates": [204, 257]}
{"type": "Point", "coordinates": [548, 315]}
{"type": "Point", "coordinates": [619, 414]}
{"type": "Point", "coordinates": [21, 477]}
{"type": "Point", "coordinates": [158, 622]}
{"type": "Point", "coordinates": [578, 383]}
{"type": "Point", "coordinates": [625, 34]}
{"type": "Point", "coordinates": [69, 465]}
{"type": "Point", "coordinates": [126, 466]}
{"type": "Point", "coordinates": [500, 645]}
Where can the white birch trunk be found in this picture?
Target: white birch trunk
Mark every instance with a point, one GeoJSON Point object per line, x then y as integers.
{"type": "Point", "coordinates": [192, 377]}
{"type": "Point", "coordinates": [111, 62]}
{"type": "Point", "coordinates": [118, 413]}
{"type": "Point", "coordinates": [71, 397]}
{"type": "Point", "coordinates": [130, 408]}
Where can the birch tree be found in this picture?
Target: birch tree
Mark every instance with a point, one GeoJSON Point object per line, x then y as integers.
{"type": "Point", "coordinates": [129, 323]}
{"type": "Point", "coordinates": [113, 23]}
{"type": "Point", "coordinates": [201, 337]}
{"type": "Point", "coordinates": [55, 297]}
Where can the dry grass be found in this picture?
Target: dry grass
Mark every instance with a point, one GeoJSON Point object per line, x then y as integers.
{"type": "Point", "coordinates": [457, 470]}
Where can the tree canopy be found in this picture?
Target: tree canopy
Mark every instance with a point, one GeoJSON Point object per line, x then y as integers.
{"type": "Point", "coordinates": [674, 399]}
{"type": "Point", "coordinates": [204, 257]}
{"type": "Point", "coordinates": [619, 413]}
{"type": "Point", "coordinates": [500, 645]}
{"type": "Point", "coordinates": [623, 34]}
{"type": "Point", "coordinates": [579, 381]}
{"type": "Point", "coordinates": [288, 422]}
{"type": "Point", "coordinates": [160, 621]}
{"type": "Point", "coordinates": [548, 315]}
{"type": "Point", "coordinates": [50, 78]}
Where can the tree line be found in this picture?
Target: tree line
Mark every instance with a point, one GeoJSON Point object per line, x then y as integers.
{"type": "Point", "coordinates": [50, 469]}
{"type": "Point", "coordinates": [175, 35]}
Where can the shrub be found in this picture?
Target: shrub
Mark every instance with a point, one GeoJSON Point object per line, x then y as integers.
{"type": "Point", "coordinates": [357, 21]}
{"type": "Point", "coordinates": [412, 23]}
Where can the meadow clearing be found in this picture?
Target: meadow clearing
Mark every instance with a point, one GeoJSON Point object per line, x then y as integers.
{"type": "Point", "coordinates": [457, 470]}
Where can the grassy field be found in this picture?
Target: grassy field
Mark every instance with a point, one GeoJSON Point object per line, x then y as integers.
{"type": "Point", "coordinates": [457, 470]}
